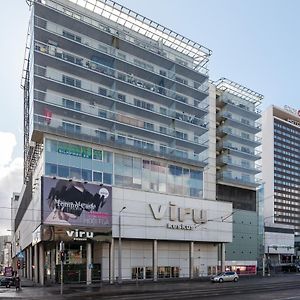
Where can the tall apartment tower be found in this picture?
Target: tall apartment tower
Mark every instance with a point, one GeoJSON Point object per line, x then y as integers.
{"type": "Point", "coordinates": [238, 124]}
{"type": "Point", "coordinates": [115, 145]}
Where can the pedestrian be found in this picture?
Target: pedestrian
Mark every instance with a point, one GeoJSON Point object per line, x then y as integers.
{"type": "Point", "coordinates": [18, 283]}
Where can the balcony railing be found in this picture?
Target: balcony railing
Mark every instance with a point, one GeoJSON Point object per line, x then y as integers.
{"type": "Point", "coordinates": [247, 168]}
{"type": "Point", "coordinates": [242, 180]}
{"type": "Point", "coordinates": [113, 116]}
{"type": "Point", "coordinates": [113, 73]}
{"type": "Point", "coordinates": [92, 87]}
{"type": "Point", "coordinates": [132, 38]}
{"type": "Point", "coordinates": [69, 129]}
{"type": "Point", "coordinates": [241, 104]}
{"type": "Point", "coordinates": [251, 140]}
{"type": "Point", "coordinates": [248, 124]}
{"type": "Point", "coordinates": [121, 55]}
{"type": "Point", "coordinates": [239, 149]}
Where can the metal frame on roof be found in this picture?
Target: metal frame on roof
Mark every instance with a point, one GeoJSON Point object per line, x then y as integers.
{"type": "Point", "coordinates": [144, 26]}
{"type": "Point", "coordinates": [224, 84]}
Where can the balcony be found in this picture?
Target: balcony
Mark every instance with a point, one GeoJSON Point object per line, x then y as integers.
{"type": "Point", "coordinates": [238, 151]}
{"type": "Point", "coordinates": [195, 64]}
{"type": "Point", "coordinates": [248, 181]}
{"type": "Point", "coordinates": [234, 164]}
{"type": "Point", "coordinates": [107, 118]}
{"type": "Point", "coordinates": [88, 47]}
{"type": "Point", "coordinates": [243, 124]}
{"type": "Point", "coordinates": [66, 62]}
{"type": "Point", "coordinates": [235, 136]}
{"type": "Point", "coordinates": [46, 124]}
{"type": "Point", "coordinates": [239, 107]}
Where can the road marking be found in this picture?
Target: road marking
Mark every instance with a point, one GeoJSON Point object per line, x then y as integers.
{"type": "Point", "coordinates": [294, 297]}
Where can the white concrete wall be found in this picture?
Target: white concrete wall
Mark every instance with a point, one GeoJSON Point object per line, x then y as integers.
{"type": "Point", "coordinates": [268, 162]}
{"type": "Point", "coordinates": [209, 182]}
{"type": "Point", "coordinates": [138, 221]}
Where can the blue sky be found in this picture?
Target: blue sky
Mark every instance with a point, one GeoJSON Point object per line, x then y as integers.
{"type": "Point", "coordinates": [254, 42]}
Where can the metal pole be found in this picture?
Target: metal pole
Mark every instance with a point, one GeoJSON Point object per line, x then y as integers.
{"type": "Point", "coordinates": [120, 253]}
{"type": "Point", "coordinates": [61, 248]}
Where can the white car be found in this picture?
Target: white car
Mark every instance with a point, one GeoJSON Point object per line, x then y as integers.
{"type": "Point", "coordinates": [225, 276]}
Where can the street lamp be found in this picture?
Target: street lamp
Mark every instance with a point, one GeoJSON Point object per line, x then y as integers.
{"type": "Point", "coordinates": [120, 249]}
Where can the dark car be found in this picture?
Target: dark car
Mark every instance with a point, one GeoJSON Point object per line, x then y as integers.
{"type": "Point", "coordinates": [7, 281]}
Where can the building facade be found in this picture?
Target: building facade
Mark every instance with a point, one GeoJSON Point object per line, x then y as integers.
{"type": "Point", "coordinates": [280, 173]}
{"type": "Point", "coordinates": [237, 128]}
{"type": "Point", "coordinates": [119, 154]}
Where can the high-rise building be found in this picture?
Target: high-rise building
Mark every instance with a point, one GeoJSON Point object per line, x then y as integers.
{"type": "Point", "coordinates": [280, 172]}
{"type": "Point", "coordinates": [238, 125]}
{"type": "Point", "coordinates": [117, 149]}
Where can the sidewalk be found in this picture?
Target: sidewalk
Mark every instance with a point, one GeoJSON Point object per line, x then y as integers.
{"type": "Point", "coordinates": [31, 291]}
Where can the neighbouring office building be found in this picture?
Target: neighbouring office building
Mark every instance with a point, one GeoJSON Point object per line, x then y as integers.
{"type": "Point", "coordinates": [281, 173]}
{"type": "Point", "coordinates": [237, 128]}
{"type": "Point", "coordinates": [119, 141]}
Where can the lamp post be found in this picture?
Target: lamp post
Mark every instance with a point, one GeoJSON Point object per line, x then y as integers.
{"type": "Point", "coordinates": [120, 249]}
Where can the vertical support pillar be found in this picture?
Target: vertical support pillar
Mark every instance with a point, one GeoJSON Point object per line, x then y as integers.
{"type": "Point", "coordinates": [36, 264]}
{"type": "Point", "coordinates": [191, 260]}
{"type": "Point", "coordinates": [41, 266]}
{"type": "Point", "coordinates": [154, 260]}
{"type": "Point", "coordinates": [112, 261]}
{"type": "Point", "coordinates": [88, 263]}
{"type": "Point", "coordinates": [222, 257]}
{"type": "Point", "coordinates": [30, 263]}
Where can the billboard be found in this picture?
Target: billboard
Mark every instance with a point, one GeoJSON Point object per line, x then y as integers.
{"type": "Point", "coordinates": [66, 202]}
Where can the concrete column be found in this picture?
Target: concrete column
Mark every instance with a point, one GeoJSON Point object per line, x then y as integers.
{"type": "Point", "coordinates": [41, 266]}
{"type": "Point", "coordinates": [222, 257]}
{"type": "Point", "coordinates": [191, 256]}
{"type": "Point", "coordinates": [27, 262]}
{"type": "Point", "coordinates": [88, 263]}
{"type": "Point", "coordinates": [154, 260]}
{"type": "Point", "coordinates": [36, 264]}
{"type": "Point", "coordinates": [30, 263]}
{"type": "Point", "coordinates": [112, 261]}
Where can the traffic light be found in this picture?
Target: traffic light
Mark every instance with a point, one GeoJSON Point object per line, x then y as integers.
{"type": "Point", "coordinates": [18, 264]}
{"type": "Point", "coordinates": [67, 257]}
{"type": "Point", "coordinates": [62, 256]}
{"type": "Point", "coordinates": [24, 265]}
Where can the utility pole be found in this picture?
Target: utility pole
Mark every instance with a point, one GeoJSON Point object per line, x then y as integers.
{"type": "Point", "coordinates": [62, 256]}
{"type": "Point", "coordinates": [120, 249]}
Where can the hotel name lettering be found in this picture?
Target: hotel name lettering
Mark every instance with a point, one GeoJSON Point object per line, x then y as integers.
{"type": "Point", "coordinates": [181, 214]}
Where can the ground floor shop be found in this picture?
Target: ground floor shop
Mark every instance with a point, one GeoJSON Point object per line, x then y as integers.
{"type": "Point", "coordinates": [94, 261]}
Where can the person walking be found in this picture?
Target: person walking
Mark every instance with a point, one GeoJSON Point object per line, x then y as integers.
{"type": "Point", "coordinates": [18, 283]}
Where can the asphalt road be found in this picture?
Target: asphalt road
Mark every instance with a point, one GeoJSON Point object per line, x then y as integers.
{"type": "Point", "coordinates": [285, 287]}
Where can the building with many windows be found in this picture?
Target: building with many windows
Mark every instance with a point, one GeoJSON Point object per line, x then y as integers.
{"type": "Point", "coordinates": [119, 149]}
{"type": "Point", "coordinates": [281, 141]}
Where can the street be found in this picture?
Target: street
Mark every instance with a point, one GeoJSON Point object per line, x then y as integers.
{"type": "Point", "coordinates": [279, 287]}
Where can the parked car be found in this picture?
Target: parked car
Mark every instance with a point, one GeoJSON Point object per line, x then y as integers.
{"type": "Point", "coordinates": [225, 276]}
{"type": "Point", "coordinates": [7, 281]}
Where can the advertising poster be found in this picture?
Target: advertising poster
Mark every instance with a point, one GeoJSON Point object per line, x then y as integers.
{"type": "Point", "coordinates": [76, 203]}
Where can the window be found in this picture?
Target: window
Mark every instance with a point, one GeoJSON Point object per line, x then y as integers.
{"type": "Point", "coordinates": [71, 36]}
{"type": "Point", "coordinates": [163, 130]}
{"type": "Point", "coordinates": [97, 154]}
{"type": "Point", "coordinates": [148, 126]}
{"type": "Point", "coordinates": [71, 104]}
{"type": "Point", "coordinates": [163, 110]}
{"type": "Point", "coordinates": [107, 178]}
{"type": "Point", "coordinates": [121, 97]}
{"type": "Point", "coordinates": [102, 113]}
{"type": "Point", "coordinates": [143, 104]}
{"type": "Point", "coordinates": [181, 135]}
{"type": "Point", "coordinates": [71, 81]}
{"type": "Point", "coordinates": [102, 91]}
{"type": "Point", "coordinates": [71, 127]}
{"type": "Point", "coordinates": [97, 176]}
